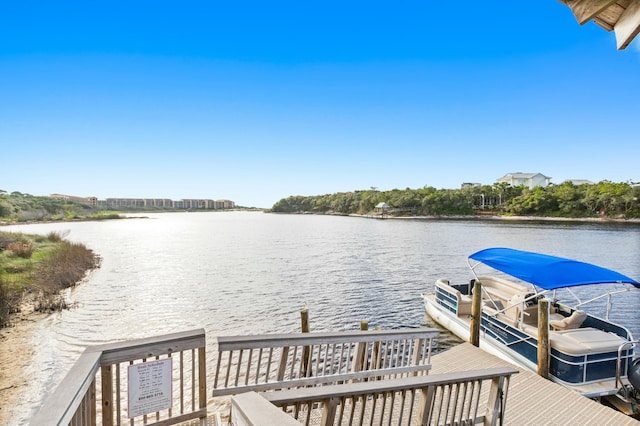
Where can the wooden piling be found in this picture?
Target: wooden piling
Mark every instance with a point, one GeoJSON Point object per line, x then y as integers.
{"type": "Point", "coordinates": [359, 357]}
{"type": "Point", "coordinates": [304, 319]}
{"type": "Point", "coordinates": [306, 351]}
{"type": "Point", "coordinates": [543, 338]}
{"type": "Point", "coordinates": [476, 314]}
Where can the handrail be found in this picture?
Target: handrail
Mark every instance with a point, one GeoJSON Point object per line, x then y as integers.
{"type": "Point", "coordinates": [281, 361]}
{"type": "Point", "coordinates": [227, 343]}
{"type": "Point", "coordinates": [362, 388]}
{"type": "Point", "coordinates": [618, 362]}
{"type": "Point", "coordinates": [451, 398]}
{"type": "Point", "coordinates": [77, 398]}
{"type": "Point", "coordinates": [64, 402]}
{"type": "Point", "coordinates": [96, 387]}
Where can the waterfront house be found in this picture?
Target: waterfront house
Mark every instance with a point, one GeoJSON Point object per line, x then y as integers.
{"type": "Point", "coordinates": [530, 180]}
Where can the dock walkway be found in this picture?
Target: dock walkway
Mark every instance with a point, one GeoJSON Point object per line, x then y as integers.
{"type": "Point", "coordinates": [532, 400]}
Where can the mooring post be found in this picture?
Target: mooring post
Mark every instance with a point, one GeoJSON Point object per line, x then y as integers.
{"type": "Point", "coordinates": [306, 351]}
{"type": "Point", "coordinates": [543, 338]}
{"type": "Point", "coordinates": [359, 358]}
{"type": "Point", "coordinates": [476, 314]}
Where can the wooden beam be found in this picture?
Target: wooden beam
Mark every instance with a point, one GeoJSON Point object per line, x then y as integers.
{"type": "Point", "coordinates": [585, 10]}
{"type": "Point", "coordinates": [628, 26]}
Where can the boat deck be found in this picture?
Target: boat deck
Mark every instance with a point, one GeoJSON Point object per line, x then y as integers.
{"type": "Point", "coordinates": [532, 400]}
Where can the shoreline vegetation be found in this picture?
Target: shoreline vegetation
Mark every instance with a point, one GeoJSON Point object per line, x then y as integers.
{"type": "Point", "coordinates": [35, 269]}
{"type": "Point", "coordinates": [34, 272]}
{"type": "Point", "coordinates": [600, 201]}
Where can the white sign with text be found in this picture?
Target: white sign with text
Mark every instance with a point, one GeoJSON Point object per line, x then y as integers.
{"type": "Point", "coordinates": [149, 387]}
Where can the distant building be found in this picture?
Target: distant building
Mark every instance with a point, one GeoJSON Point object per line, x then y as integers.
{"type": "Point", "coordinates": [158, 203]}
{"type": "Point", "coordinates": [530, 180]}
{"type": "Point", "coordinates": [224, 204]}
{"type": "Point", "coordinates": [470, 185]}
{"type": "Point", "coordinates": [92, 201]}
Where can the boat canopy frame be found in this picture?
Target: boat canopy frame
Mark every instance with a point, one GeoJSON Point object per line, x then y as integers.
{"type": "Point", "coordinates": [550, 273]}
{"type": "Point", "coordinates": [546, 271]}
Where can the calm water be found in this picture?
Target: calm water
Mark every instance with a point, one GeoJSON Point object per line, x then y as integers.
{"type": "Point", "coordinates": [246, 273]}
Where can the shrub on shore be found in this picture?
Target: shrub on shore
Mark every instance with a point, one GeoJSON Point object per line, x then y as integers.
{"type": "Point", "coordinates": [40, 267]}
{"type": "Point", "coordinates": [65, 266]}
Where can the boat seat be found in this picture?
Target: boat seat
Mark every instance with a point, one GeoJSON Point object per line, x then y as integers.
{"type": "Point", "coordinates": [574, 321]}
{"type": "Point", "coordinates": [465, 303]}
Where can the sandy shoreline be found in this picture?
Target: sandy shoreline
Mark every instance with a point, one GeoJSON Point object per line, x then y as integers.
{"type": "Point", "coordinates": [16, 354]}
{"type": "Point", "coordinates": [499, 218]}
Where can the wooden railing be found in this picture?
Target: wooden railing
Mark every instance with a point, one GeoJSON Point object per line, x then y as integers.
{"type": "Point", "coordinates": [176, 362]}
{"type": "Point", "coordinates": [281, 361]}
{"type": "Point", "coordinates": [162, 380]}
{"type": "Point", "coordinates": [443, 399]}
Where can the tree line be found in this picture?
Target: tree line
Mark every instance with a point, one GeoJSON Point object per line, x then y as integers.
{"type": "Point", "coordinates": [603, 199]}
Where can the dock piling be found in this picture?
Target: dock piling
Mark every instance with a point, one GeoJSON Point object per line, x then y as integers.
{"type": "Point", "coordinates": [543, 338]}
{"type": "Point", "coordinates": [476, 313]}
{"type": "Point", "coordinates": [306, 351]}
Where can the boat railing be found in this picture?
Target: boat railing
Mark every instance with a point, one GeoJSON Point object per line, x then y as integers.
{"type": "Point", "coordinates": [452, 398]}
{"type": "Point", "coordinates": [281, 361]}
{"type": "Point", "coordinates": [524, 341]}
{"type": "Point", "coordinates": [619, 385]}
{"type": "Point", "coordinates": [158, 380]}
{"type": "Point", "coordinates": [608, 295]}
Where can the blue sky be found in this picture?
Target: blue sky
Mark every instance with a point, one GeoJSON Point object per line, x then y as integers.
{"type": "Point", "coordinates": [257, 101]}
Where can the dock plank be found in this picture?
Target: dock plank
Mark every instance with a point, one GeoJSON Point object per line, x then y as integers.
{"type": "Point", "coordinates": [532, 400]}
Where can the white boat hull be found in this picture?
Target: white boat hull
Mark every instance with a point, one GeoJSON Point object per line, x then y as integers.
{"type": "Point", "coordinates": [461, 329]}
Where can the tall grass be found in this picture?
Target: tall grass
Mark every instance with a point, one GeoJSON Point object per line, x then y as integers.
{"type": "Point", "coordinates": [64, 267]}
{"type": "Point", "coordinates": [21, 249]}
{"type": "Point", "coordinates": [5, 307]}
{"type": "Point", "coordinates": [40, 267]}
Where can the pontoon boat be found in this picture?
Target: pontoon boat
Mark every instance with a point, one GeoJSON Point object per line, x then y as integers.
{"type": "Point", "coordinates": [587, 352]}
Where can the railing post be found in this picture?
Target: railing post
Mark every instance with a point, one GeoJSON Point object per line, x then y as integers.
{"type": "Point", "coordinates": [495, 404]}
{"type": "Point", "coordinates": [92, 402]}
{"type": "Point", "coordinates": [202, 379]}
{"type": "Point", "coordinates": [376, 360]}
{"type": "Point", "coordinates": [107, 395]}
{"type": "Point", "coordinates": [330, 407]}
{"type": "Point", "coordinates": [426, 405]}
{"type": "Point", "coordinates": [417, 353]}
{"type": "Point", "coordinates": [282, 368]}
{"type": "Point", "coordinates": [476, 313]}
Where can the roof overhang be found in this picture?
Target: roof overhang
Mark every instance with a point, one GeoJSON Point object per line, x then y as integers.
{"type": "Point", "coordinates": [621, 16]}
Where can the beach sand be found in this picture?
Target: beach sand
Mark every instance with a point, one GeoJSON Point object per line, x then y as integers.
{"type": "Point", "coordinates": [16, 354]}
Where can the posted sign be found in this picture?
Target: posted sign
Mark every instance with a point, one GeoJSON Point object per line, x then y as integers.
{"type": "Point", "coordinates": [149, 387]}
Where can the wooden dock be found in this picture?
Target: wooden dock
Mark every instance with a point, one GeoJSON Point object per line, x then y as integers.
{"type": "Point", "coordinates": [532, 400]}
{"type": "Point", "coordinates": [97, 379]}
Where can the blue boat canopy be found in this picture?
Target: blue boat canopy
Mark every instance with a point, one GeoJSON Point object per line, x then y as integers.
{"type": "Point", "coordinates": [548, 272]}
